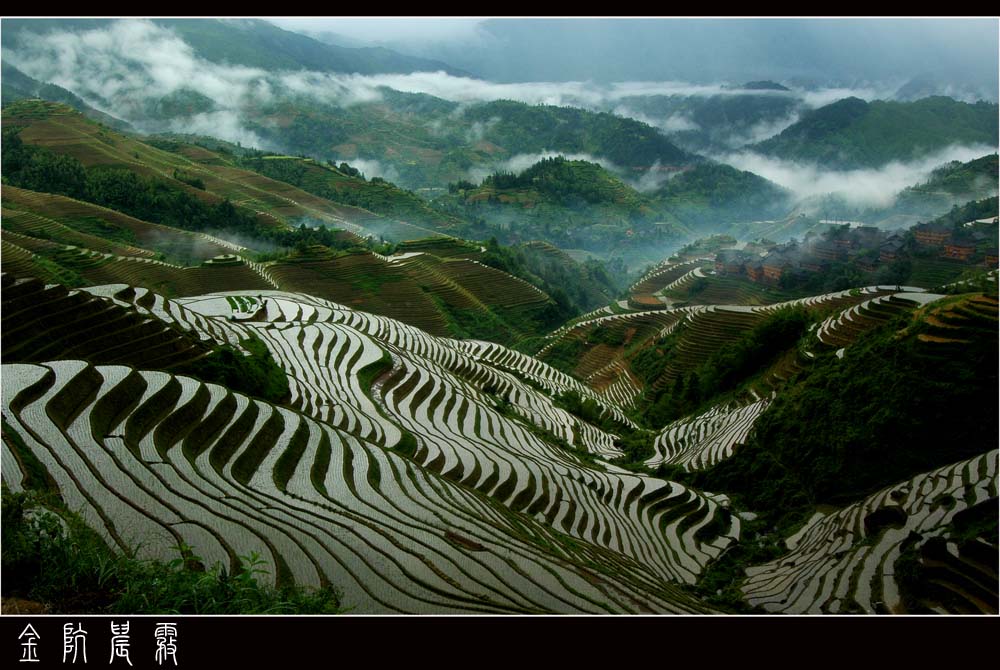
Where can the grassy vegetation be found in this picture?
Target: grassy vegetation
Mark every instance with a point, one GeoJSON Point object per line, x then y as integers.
{"type": "Point", "coordinates": [256, 375]}
{"type": "Point", "coordinates": [51, 556]}
{"type": "Point", "coordinates": [720, 583]}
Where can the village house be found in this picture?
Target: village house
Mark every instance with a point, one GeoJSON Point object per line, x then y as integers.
{"type": "Point", "coordinates": [867, 263]}
{"type": "Point", "coordinates": [961, 250]}
{"type": "Point", "coordinates": [813, 264]}
{"type": "Point", "coordinates": [892, 249]}
{"type": "Point", "coordinates": [774, 266]}
{"type": "Point", "coordinates": [931, 234]}
{"type": "Point", "coordinates": [731, 261]}
{"type": "Point", "coordinates": [829, 251]}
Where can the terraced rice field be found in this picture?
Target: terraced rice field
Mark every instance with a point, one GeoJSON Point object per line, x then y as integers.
{"type": "Point", "coordinates": [43, 322]}
{"type": "Point", "coordinates": [553, 381]}
{"type": "Point", "coordinates": [19, 261]}
{"type": "Point", "coordinates": [717, 290]}
{"type": "Point", "coordinates": [606, 339]}
{"type": "Point", "coordinates": [152, 460]}
{"type": "Point", "coordinates": [846, 561]}
{"type": "Point", "coordinates": [705, 331]}
{"type": "Point", "coordinates": [42, 229]}
{"type": "Point", "coordinates": [495, 287]}
{"type": "Point", "coordinates": [316, 489]}
{"type": "Point", "coordinates": [442, 247]}
{"type": "Point", "coordinates": [58, 217]}
{"type": "Point", "coordinates": [665, 276]}
{"type": "Point", "coordinates": [99, 269]}
{"type": "Point", "coordinates": [699, 442]}
{"type": "Point", "coordinates": [844, 328]}
{"type": "Point", "coordinates": [363, 281]}
{"type": "Point", "coordinates": [931, 272]}
{"type": "Point", "coordinates": [410, 285]}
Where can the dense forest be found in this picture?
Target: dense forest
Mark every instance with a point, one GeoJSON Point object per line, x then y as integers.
{"type": "Point", "coordinates": [852, 133]}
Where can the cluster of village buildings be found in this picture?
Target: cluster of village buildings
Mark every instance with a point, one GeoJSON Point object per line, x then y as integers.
{"type": "Point", "coordinates": [865, 247]}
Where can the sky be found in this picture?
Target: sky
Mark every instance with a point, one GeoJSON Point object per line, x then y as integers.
{"type": "Point", "coordinates": [377, 29]}
{"type": "Point", "coordinates": [543, 49]}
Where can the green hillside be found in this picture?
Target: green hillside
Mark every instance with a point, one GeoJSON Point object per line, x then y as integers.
{"type": "Point", "coordinates": [523, 128]}
{"type": "Point", "coordinates": [852, 133]}
{"type": "Point", "coordinates": [347, 185]}
{"type": "Point", "coordinates": [905, 398]}
{"type": "Point", "coordinates": [581, 205]}
{"type": "Point", "coordinates": [949, 184]}
{"type": "Point", "coordinates": [429, 142]}
{"type": "Point", "coordinates": [570, 203]}
{"type": "Point", "coordinates": [715, 193]}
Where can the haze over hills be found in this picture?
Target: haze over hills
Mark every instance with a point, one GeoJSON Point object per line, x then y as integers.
{"type": "Point", "coordinates": [296, 327]}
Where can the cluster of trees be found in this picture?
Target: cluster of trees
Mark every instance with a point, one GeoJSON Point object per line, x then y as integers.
{"type": "Point", "coordinates": [852, 133]}
{"type": "Point", "coordinates": [255, 375]}
{"type": "Point", "coordinates": [569, 183]}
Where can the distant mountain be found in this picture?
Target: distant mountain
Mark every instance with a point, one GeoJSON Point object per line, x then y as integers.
{"type": "Point", "coordinates": [421, 141]}
{"type": "Point", "coordinates": [852, 133]}
{"type": "Point", "coordinates": [937, 83]}
{"type": "Point", "coordinates": [764, 86]}
{"type": "Point", "coordinates": [716, 122]}
{"type": "Point", "coordinates": [251, 43]}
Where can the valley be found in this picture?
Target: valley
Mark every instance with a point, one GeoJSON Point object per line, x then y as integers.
{"type": "Point", "coordinates": [302, 327]}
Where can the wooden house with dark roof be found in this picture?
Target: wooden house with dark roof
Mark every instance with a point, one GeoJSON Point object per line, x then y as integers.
{"type": "Point", "coordinates": [960, 249]}
{"type": "Point", "coordinates": [932, 234]}
{"type": "Point", "coordinates": [891, 250]}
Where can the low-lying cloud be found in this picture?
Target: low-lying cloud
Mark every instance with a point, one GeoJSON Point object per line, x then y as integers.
{"type": "Point", "coordinates": [644, 182]}
{"type": "Point", "coordinates": [521, 162]}
{"type": "Point", "coordinates": [870, 187]}
{"type": "Point", "coordinates": [372, 168]}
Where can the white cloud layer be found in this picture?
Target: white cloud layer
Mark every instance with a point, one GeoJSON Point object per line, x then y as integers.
{"type": "Point", "coordinates": [877, 187]}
